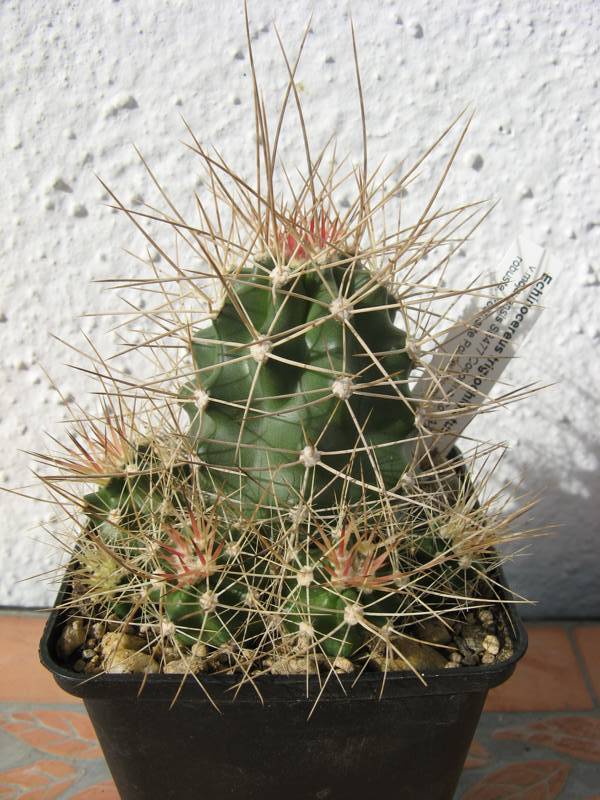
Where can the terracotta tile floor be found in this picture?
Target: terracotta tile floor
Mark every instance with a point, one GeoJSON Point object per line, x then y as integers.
{"type": "Point", "coordinates": [538, 739]}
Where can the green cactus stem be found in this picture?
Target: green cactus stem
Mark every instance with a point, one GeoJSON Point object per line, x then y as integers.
{"type": "Point", "coordinates": [301, 389]}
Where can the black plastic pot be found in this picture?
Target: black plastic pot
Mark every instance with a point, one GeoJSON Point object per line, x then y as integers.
{"type": "Point", "coordinates": [410, 743]}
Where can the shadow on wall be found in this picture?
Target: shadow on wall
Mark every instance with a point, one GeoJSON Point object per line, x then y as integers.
{"type": "Point", "coordinates": [561, 571]}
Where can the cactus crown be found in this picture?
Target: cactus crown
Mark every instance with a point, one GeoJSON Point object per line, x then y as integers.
{"type": "Point", "coordinates": [272, 499]}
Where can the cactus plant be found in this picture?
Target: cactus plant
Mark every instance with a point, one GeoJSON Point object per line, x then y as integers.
{"type": "Point", "coordinates": [273, 500]}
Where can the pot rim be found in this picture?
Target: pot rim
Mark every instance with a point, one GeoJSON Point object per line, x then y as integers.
{"type": "Point", "coordinates": [282, 688]}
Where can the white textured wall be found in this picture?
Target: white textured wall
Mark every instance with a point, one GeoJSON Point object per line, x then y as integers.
{"type": "Point", "coordinates": [82, 80]}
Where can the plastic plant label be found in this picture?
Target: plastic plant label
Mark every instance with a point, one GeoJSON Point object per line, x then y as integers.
{"type": "Point", "coordinates": [478, 348]}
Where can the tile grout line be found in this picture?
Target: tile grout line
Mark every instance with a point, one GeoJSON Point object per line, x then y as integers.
{"type": "Point", "coordinates": [589, 684]}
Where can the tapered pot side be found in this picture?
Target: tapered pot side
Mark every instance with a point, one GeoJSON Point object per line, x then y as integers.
{"type": "Point", "coordinates": [392, 734]}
